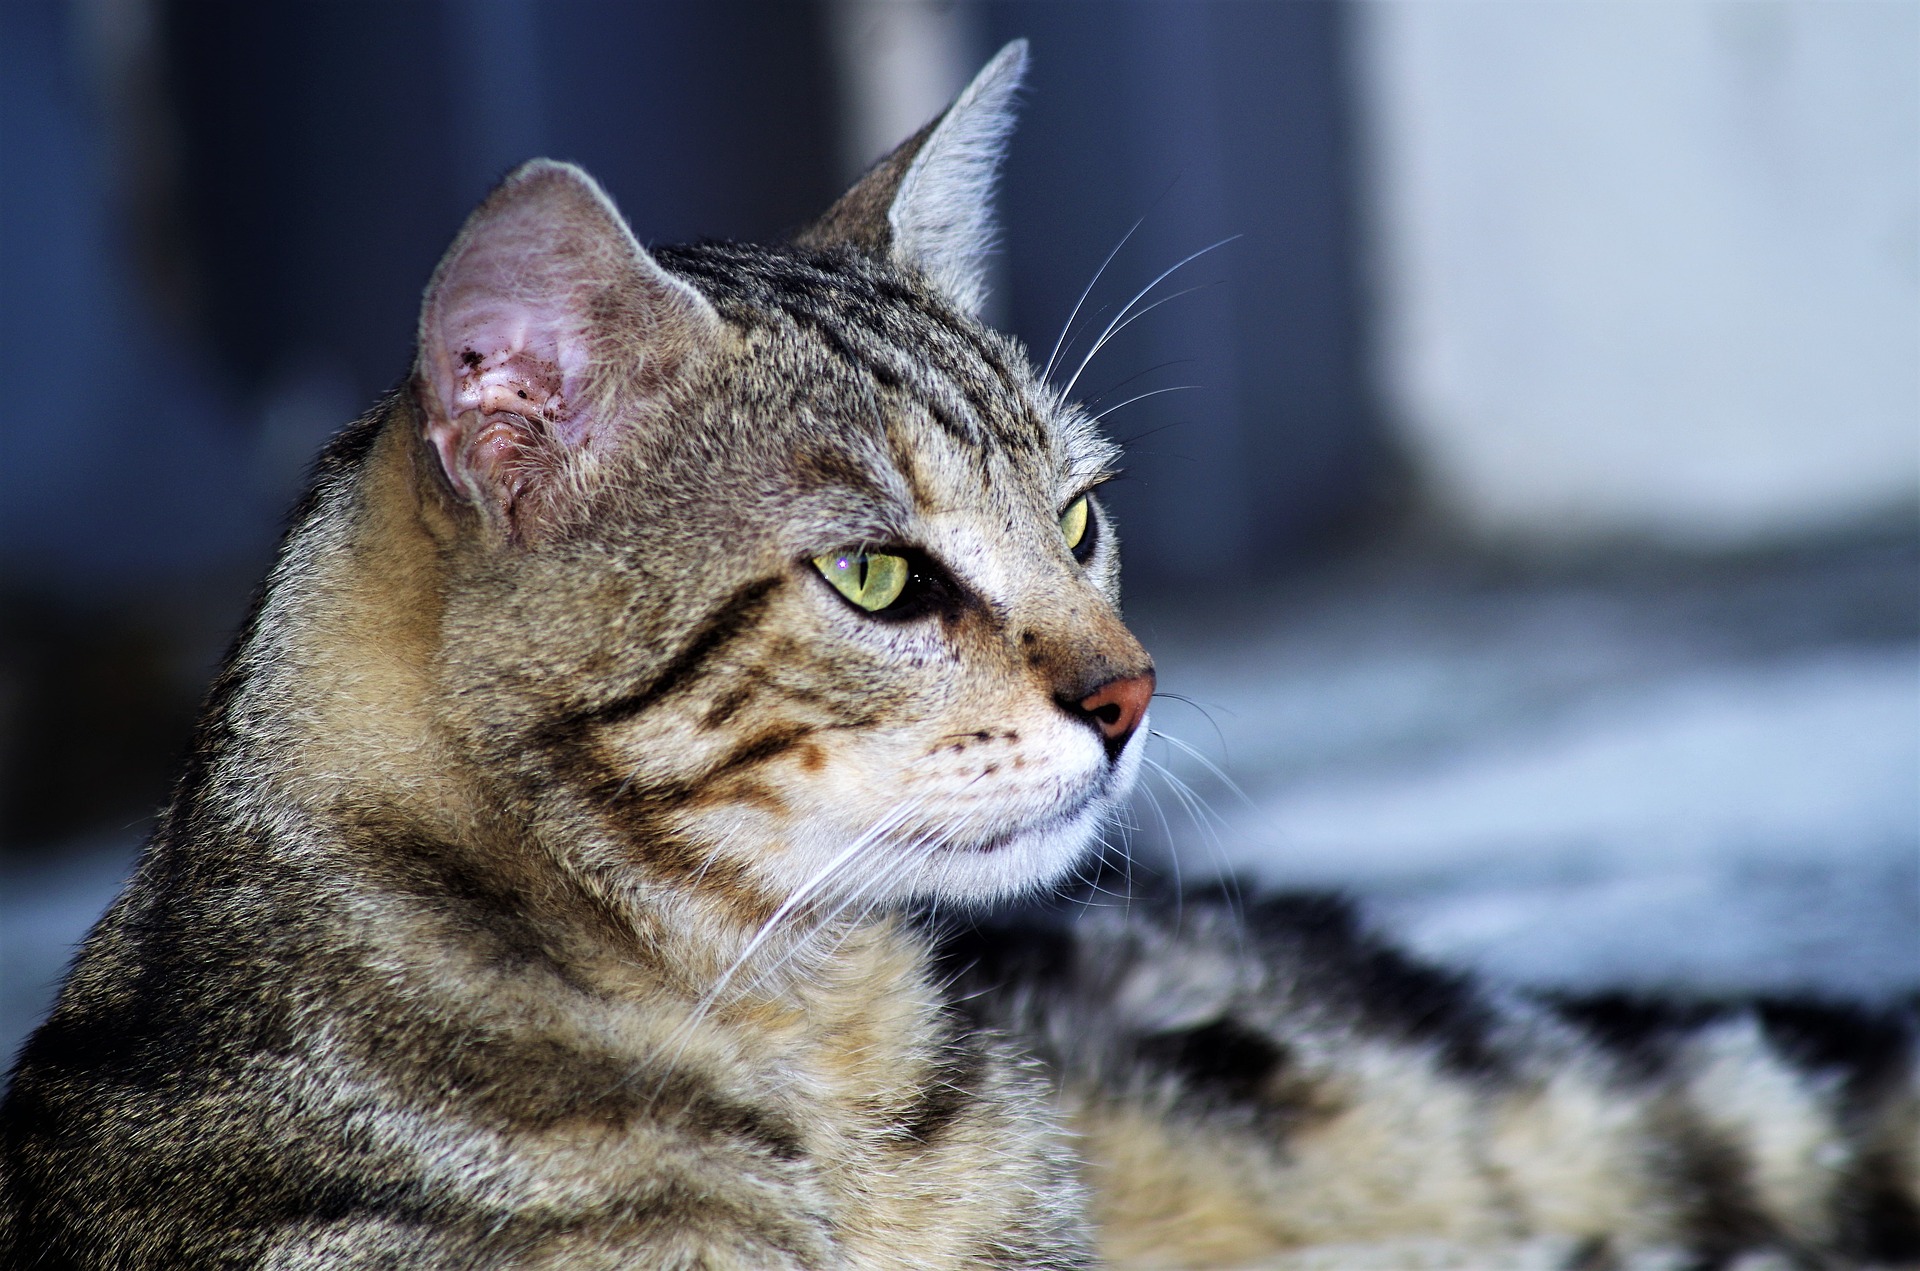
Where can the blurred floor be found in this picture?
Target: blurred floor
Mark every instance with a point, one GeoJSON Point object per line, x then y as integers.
{"type": "Point", "coordinates": [1697, 774]}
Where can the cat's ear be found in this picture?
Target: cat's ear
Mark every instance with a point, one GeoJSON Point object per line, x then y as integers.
{"type": "Point", "coordinates": [546, 330]}
{"type": "Point", "coordinates": [929, 204]}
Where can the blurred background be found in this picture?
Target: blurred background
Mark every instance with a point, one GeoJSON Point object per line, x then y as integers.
{"type": "Point", "coordinates": [1523, 506]}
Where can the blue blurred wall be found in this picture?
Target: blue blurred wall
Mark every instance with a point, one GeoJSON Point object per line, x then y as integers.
{"type": "Point", "coordinates": [320, 155]}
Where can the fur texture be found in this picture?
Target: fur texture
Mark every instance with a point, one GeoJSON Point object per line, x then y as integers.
{"type": "Point", "coordinates": [1259, 1077]}
{"type": "Point", "coordinates": [539, 892]}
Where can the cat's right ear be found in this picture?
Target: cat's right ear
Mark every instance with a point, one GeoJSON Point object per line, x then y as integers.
{"type": "Point", "coordinates": [546, 330]}
{"type": "Point", "coordinates": [929, 204]}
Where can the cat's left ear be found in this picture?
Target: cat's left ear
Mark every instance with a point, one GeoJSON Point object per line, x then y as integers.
{"type": "Point", "coordinates": [929, 204]}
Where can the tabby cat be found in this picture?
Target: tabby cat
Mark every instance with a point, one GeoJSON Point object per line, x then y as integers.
{"type": "Point", "coordinates": [538, 892]}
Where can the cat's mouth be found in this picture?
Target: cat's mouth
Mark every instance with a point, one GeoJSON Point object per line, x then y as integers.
{"type": "Point", "coordinates": [987, 847]}
{"type": "Point", "coordinates": [1052, 823]}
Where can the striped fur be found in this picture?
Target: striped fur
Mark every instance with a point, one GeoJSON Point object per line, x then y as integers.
{"type": "Point", "coordinates": [538, 891]}
{"type": "Point", "coordinates": [1266, 1084]}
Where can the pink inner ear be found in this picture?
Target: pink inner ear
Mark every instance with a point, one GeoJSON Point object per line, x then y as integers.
{"type": "Point", "coordinates": [494, 351]}
{"type": "Point", "coordinates": [500, 371]}
{"type": "Point", "coordinates": [536, 327]}
{"type": "Point", "coordinates": [507, 356]}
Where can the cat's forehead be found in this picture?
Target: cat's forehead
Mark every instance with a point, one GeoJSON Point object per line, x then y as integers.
{"type": "Point", "coordinates": [844, 355]}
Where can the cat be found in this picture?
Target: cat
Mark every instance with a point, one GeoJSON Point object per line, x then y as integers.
{"type": "Point", "coordinates": [542, 887]}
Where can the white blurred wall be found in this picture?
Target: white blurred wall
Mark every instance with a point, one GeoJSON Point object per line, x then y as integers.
{"type": "Point", "coordinates": [1650, 269]}
{"type": "Point", "coordinates": [899, 62]}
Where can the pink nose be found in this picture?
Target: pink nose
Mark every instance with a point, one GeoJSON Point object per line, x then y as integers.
{"type": "Point", "coordinates": [1116, 708]}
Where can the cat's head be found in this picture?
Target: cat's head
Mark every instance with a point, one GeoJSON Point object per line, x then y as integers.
{"type": "Point", "coordinates": [773, 567]}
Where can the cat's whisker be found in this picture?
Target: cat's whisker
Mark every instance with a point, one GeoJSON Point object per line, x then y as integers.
{"type": "Point", "coordinates": [1126, 863]}
{"type": "Point", "coordinates": [1206, 713]}
{"type": "Point", "coordinates": [1204, 819]}
{"type": "Point", "coordinates": [1153, 800]}
{"type": "Point", "coordinates": [1166, 827]}
{"type": "Point", "coordinates": [1115, 387]}
{"type": "Point", "coordinates": [872, 839]}
{"type": "Point", "coordinates": [870, 894]}
{"type": "Point", "coordinates": [906, 857]}
{"type": "Point", "coordinates": [871, 890]}
{"type": "Point", "coordinates": [875, 894]}
{"type": "Point", "coordinates": [869, 841]}
{"type": "Point", "coordinates": [683, 1033]}
{"type": "Point", "coordinates": [1177, 388]}
{"type": "Point", "coordinates": [862, 843]}
{"type": "Point", "coordinates": [1092, 880]}
{"type": "Point", "coordinates": [1047, 373]}
{"type": "Point", "coordinates": [1197, 808]}
{"type": "Point", "coordinates": [1219, 774]}
{"type": "Point", "coordinates": [1203, 815]}
{"type": "Point", "coordinates": [1142, 312]}
{"type": "Point", "coordinates": [1120, 317]}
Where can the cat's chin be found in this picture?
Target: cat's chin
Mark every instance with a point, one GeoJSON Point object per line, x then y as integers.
{"type": "Point", "coordinates": [1029, 857]}
{"type": "Point", "coordinates": [1014, 863]}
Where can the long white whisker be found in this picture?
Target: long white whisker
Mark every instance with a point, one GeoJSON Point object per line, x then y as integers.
{"type": "Point", "coordinates": [865, 842]}
{"type": "Point", "coordinates": [1212, 767]}
{"type": "Point", "coordinates": [1160, 813]}
{"type": "Point", "coordinates": [1166, 831]}
{"type": "Point", "coordinates": [682, 1034]}
{"type": "Point", "coordinates": [873, 838]}
{"type": "Point", "coordinates": [1195, 807]}
{"type": "Point", "coordinates": [1142, 312]}
{"type": "Point", "coordinates": [875, 894]}
{"type": "Point", "coordinates": [1113, 388]}
{"type": "Point", "coordinates": [1091, 283]}
{"type": "Point", "coordinates": [869, 890]}
{"type": "Point", "coordinates": [1177, 388]}
{"type": "Point", "coordinates": [1191, 802]}
{"type": "Point", "coordinates": [1126, 863]}
{"type": "Point", "coordinates": [1120, 317]}
{"type": "Point", "coordinates": [1200, 812]}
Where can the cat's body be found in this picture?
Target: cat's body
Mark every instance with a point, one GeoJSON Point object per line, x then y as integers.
{"type": "Point", "coordinates": [535, 894]}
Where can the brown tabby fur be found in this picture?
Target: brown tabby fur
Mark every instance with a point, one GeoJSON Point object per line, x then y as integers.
{"type": "Point", "coordinates": [535, 894]}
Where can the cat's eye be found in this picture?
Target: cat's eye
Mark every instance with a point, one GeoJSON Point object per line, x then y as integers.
{"type": "Point", "coordinates": [1073, 524]}
{"type": "Point", "coordinates": [872, 580]}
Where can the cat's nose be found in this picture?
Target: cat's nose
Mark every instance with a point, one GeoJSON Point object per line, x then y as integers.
{"type": "Point", "coordinates": [1114, 709]}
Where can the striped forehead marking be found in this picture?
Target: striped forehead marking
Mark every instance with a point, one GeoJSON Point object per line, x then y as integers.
{"type": "Point", "coordinates": [963, 379]}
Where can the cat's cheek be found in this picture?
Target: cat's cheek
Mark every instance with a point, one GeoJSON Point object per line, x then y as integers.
{"type": "Point", "coordinates": [945, 808]}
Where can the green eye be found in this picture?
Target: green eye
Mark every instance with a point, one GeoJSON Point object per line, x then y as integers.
{"type": "Point", "coordinates": [871, 580]}
{"type": "Point", "coordinates": [1073, 522]}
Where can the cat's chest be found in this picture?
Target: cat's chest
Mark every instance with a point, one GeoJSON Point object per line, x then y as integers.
{"type": "Point", "coordinates": [936, 1145]}
{"type": "Point", "coordinates": [861, 1112]}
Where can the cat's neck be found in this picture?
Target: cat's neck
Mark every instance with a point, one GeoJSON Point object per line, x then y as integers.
{"type": "Point", "coordinates": [334, 681]}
